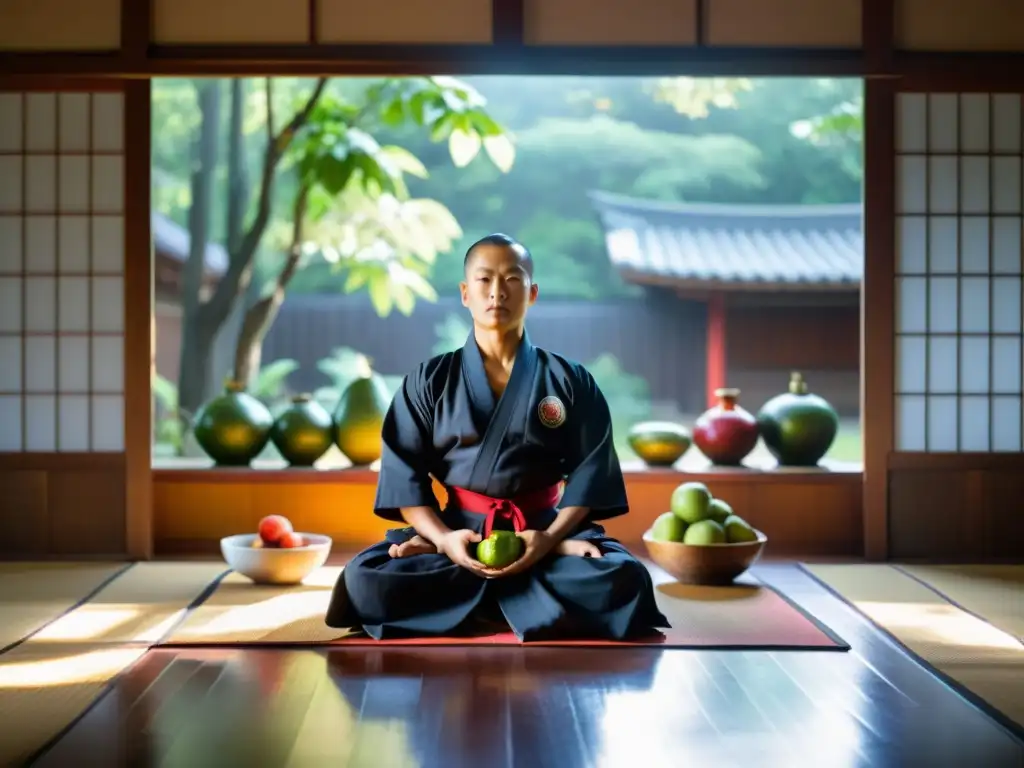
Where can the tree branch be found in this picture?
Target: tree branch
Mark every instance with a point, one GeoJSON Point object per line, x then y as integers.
{"type": "Point", "coordinates": [235, 280]}
{"type": "Point", "coordinates": [261, 315]}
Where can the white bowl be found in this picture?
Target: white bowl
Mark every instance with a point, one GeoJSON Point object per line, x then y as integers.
{"type": "Point", "coordinates": [273, 565]}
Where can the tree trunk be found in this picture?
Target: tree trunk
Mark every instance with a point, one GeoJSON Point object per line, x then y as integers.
{"type": "Point", "coordinates": [235, 281]}
{"type": "Point", "coordinates": [238, 177]}
{"type": "Point", "coordinates": [261, 315]}
{"type": "Point", "coordinates": [202, 322]}
{"type": "Point", "coordinates": [196, 340]}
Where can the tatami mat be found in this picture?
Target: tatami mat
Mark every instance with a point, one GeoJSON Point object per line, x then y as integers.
{"type": "Point", "coordinates": [57, 672]}
{"type": "Point", "coordinates": [993, 592]}
{"type": "Point", "coordinates": [34, 594]}
{"type": "Point", "coordinates": [982, 659]}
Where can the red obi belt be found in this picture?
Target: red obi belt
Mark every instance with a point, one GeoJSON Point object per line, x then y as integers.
{"type": "Point", "coordinates": [514, 510]}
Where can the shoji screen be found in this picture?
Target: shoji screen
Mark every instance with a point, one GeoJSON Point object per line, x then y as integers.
{"type": "Point", "coordinates": [958, 273]}
{"type": "Point", "coordinates": [61, 272]}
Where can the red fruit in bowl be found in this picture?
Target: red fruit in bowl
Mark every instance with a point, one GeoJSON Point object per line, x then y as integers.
{"type": "Point", "coordinates": [291, 540]}
{"type": "Point", "coordinates": [273, 527]}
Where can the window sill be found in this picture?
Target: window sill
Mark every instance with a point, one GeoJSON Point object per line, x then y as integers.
{"type": "Point", "coordinates": [201, 470]}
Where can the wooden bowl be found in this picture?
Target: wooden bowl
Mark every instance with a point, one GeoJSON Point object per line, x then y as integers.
{"type": "Point", "coordinates": [270, 565]}
{"type": "Point", "coordinates": [710, 565]}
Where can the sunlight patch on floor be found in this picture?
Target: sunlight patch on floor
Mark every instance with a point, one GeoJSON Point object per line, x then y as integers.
{"type": "Point", "coordinates": [89, 667]}
{"type": "Point", "coordinates": [944, 624]}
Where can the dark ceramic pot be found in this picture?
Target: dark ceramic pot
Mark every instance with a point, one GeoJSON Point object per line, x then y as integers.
{"type": "Point", "coordinates": [798, 427]}
{"type": "Point", "coordinates": [233, 427]}
{"type": "Point", "coordinates": [304, 432]}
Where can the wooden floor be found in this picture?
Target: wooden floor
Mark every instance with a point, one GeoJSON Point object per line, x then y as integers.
{"type": "Point", "coordinates": [557, 708]}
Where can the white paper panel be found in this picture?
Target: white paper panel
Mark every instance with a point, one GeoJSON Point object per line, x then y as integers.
{"type": "Point", "coordinates": [74, 183]}
{"type": "Point", "coordinates": [911, 368]}
{"type": "Point", "coordinates": [10, 122]}
{"type": "Point", "coordinates": [1006, 364]}
{"type": "Point", "coordinates": [10, 304]}
{"type": "Point", "coordinates": [911, 305]}
{"type": "Point", "coordinates": [975, 361]}
{"type": "Point", "coordinates": [74, 122]}
{"type": "Point", "coordinates": [107, 183]}
{"type": "Point", "coordinates": [74, 423]}
{"type": "Point", "coordinates": [108, 304]}
{"type": "Point", "coordinates": [942, 304]}
{"type": "Point", "coordinates": [229, 22]}
{"type": "Point", "coordinates": [912, 122]}
{"type": "Point", "coordinates": [1006, 245]}
{"type": "Point", "coordinates": [1006, 424]}
{"type": "Point", "coordinates": [943, 184]}
{"type": "Point", "coordinates": [911, 245]}
{"type": "Point", "coordinates": [40, 183]}
{"type": "Point", "coordinates": [974, 122]}
{"type": "Point", "coordinates": [10, 184]}
{"type": "Point", "coordinates": [1006, 185]}
{"type": "Point", "coordinates": [40, 304]}
{"type": "Point", "coordinates": [1006, 308]}
{"type": "Point", "coordinates": [73, 309]}
{"type": "Point", "coordinates": [40, 244]}
{"type": "Point", "coordinates": [108, 244]}
{"type": "Point", "coordinates": [959, 170]}
{"type": "Point", "coordinates": [10, 366]}
{"type": "Point", "coordinates": [910, 423]}
{"type": "Point", "coordinates": [108, 364]}
{"type": "Point", "coordinates": [943, 236]}
{"type": "Point", "coordinates": [974, 423]}
{"type": "Point", "coordinates": [439, 22]}
{"type": "Point", "coordinates": [73, 245]}
{"type": "Point", "coordinates": [974, 245]}
{"type": "Point", "coordinates": [911, 181]}
{"type": "Point", "coordinates": [943, 122]}
{"type": "Point", "coordinates": [107, 122]}
{"type": "Point", "coordinates": [974, 185]}
{"type": "Point", "coordinates": [73, 365]}
{"type": "Point", "coordinates": [41, 122]}
{"type": "Point", "coordinates": [40, 423]}
{"type": "Point", "coordinates": [942, 365]}
{"type": "Point", "coordinates": [46, 198]}
{"type": "Point", "coordinates": [107, 423]}
{"type": "Point", "coordinates": [10, 244]}
{"type": "Point", "coordinates": [942, 426]}
{"type": "Point", "coordinates": [1006, 124]}
{"type": "Point", "coordinates": [41, 364]}
{"type": "Point", "coordinates": [974, 294]}
{"type": "Point", "coordinates": [10, 417]}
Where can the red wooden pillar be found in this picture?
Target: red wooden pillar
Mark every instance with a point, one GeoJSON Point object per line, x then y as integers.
{"type": "Point", "coordinates": [715, 346]}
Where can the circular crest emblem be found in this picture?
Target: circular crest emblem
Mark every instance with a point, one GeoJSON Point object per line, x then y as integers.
{"type": "Point", "coordinates": [551, 412]}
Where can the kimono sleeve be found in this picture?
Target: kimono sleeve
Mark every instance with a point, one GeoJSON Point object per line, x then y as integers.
{"type": "Point", "coordinates": [407, 451]}
{"type": "Point", "coordinates": [594, 476]}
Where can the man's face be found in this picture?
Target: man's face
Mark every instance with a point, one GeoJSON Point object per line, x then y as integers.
{"type": "Point", "coordinates": [497, 290]}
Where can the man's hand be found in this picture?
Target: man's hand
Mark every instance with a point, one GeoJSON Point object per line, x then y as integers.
{"type": "Point", "coordinates": [578, 548]}
{"type": "Point", "coordinates": [455, 545]}
{"type": "Point", "coordinates": [538, 545]}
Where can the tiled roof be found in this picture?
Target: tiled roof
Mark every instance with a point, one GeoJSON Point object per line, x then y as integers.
{"type": "Point", "coordinates": [174, 241]}
{"type": "Point", "coordinates": [686, 243]}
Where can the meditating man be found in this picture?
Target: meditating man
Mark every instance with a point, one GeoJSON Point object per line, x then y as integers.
{"type": "Point", "coordinates": [500, 424]}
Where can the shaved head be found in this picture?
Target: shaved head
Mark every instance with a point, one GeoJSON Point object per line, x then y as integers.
{"type": "Point", "coordinates": [498, 240]}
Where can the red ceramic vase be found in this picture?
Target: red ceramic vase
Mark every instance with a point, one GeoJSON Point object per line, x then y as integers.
{"type": "Point", "coordinates": [726, 433]}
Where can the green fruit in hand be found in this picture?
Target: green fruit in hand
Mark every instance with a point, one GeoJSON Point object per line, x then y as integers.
{"type": "Point", "coordinates": [668, 527]}
{"type": "Point", "coordinates": [719, 511]}
{"type": "Point", "coordinates": [738, 530]}
{"type": "Point", "coordinates": [690, 502]}
{"type": "Point", "coordinates": [704, 532]}
{"type": "Point", "coordinates": [499, 549]}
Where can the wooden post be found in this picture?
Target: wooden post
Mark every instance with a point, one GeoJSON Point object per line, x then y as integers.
{"type": "Point", "coordinates": [715, 346]}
